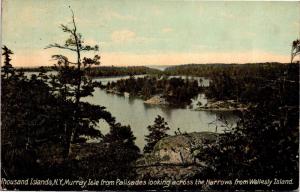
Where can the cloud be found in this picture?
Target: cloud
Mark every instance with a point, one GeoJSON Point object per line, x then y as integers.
{"type": "Point", "coordinates": [125, 36]}
{"type": "Point", "coordinates": [167, 30]}
{"type": "Point", "coordinates": [122, 36]}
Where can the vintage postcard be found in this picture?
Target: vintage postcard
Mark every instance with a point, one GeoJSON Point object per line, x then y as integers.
{"type": "Point", "coordinates": [135, 95]}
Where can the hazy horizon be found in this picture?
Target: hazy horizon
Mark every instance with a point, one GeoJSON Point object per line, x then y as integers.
{"type": "Point", "coordinates": [154, 66]}
{"type": "Point", "coordinates": [167, 33]}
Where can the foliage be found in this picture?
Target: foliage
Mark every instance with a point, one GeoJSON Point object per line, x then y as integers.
{"type": "Point", "coordinates": [112, 158]}
{"type": "Point", "coordinates": [265, 143]}
{"type": "Point", "coordinates": [157, 131]}
{"type": "Point", "coordinates": [295, 49]}
{"type": "Point", "coordinates": [120, 152]}
{"type": "Point", "coordinates": [211, 70]}
{"type": "Point", "coordinates": [36, 69]}
{"type": "Point", "coordinates": [121, 71]}
{"type": "Point", "coordinates": [33, 134]}
{"type": "Point", "coordinates": [102, 71]}
{"type": "Point", "coordinates": [30, 116]}
{"type": "Point", "coordinates": [176, 91]}
{"type": "Point", "coordinates": [72, 84]}
{"type": "Point", "coordinates": [253, 89]}
{"type": "Point", "coordinates": [7, 67]}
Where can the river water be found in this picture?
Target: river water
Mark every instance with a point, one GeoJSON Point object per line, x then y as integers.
{"type": "Point", "coordinates": [138, 115]}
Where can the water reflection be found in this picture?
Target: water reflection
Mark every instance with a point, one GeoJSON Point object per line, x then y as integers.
{"type": "Point", "coordinates": [134, 112]}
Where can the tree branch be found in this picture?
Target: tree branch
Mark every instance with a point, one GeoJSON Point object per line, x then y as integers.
{"type": "Point", "coordinates": [66, 29]}
{"type": "Point", "coordinates": [89, 48]}
{"type": "Point", "coordinates": [62, 58]}
{"type": "Point", "coordinates": [73, 19]}
{"type": "Point", "coordinates": [56, 45]}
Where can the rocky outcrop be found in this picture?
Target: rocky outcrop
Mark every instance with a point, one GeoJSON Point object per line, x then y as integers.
{"type": "Point", "coordinates": [227, 105]}
{"type": "Point", "coordinates": [156, 100]}
{"type": "Point", "coordinates": [174, 156]}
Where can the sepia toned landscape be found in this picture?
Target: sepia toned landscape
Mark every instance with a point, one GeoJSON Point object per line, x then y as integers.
{"type": "Point", "coordinates": [160, 95]}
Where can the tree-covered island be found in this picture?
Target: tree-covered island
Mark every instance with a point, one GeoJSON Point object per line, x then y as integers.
{"type": "Point", "coordinates": [173, 91]}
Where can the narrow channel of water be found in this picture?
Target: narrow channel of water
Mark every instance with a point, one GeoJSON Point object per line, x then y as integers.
{"type": "Point", "coordinates": [137, 114]}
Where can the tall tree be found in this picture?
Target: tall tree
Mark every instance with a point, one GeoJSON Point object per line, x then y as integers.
{"type": "Point", "coordinates": [72, 84]}
{"type": "Point", "coordinates": [7, 67]}
{"type": "Point", "coordinates": [295, 49]}
{"type": "Point", "coordinates": [157, 132]}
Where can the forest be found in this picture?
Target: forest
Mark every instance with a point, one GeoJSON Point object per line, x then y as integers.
{"type": "Point", "coordinates": [104, 71]}
{"type": "Point", "coordinates": [46, 122]}
{"type": "Point", "coordinates": [100, 71]}
{"type": "Point", "coordinates": [266, 137]}
{"type": "Point", "coordinates": [246, 69]}
{"type": "Point", "coordinates": [176, 91]}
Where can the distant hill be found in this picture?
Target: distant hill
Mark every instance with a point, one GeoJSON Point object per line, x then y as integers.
{"type": "Point", "coordinates": [120, 71]}
{"type": "Point", "coordinates": [208, 70]}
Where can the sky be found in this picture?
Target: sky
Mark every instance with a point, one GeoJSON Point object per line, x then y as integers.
{"type": "Point", "coordinates": [153, 32]}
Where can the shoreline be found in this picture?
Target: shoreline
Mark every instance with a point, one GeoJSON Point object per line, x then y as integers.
{"type": "Point", "coordinates": [223, 105]}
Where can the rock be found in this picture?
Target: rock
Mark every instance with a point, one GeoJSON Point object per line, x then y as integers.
{"type": "Point", "coordinates": [226, 105]}
{"type": "Point", "coordinates": [174, 156]}
{"type": "Point", "coordinates": [156, 100]}
{"type": "Point", "coordinates": [114, 91]}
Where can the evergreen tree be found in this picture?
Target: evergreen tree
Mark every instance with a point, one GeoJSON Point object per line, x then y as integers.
{"type": "Point", "coordinates": [265, 142]}
{"type": "Point", "coordinates": [157, 132]}
{"type": "Point", "coordinates": [118, 155]}
{"type": "Point", "coordinates": [295, 49]}
{"type": "Point", "coordinates": [72, 84]}
{"type": "Point", "coordinates": [7, 67]}
{"type": "Point", "coordinates": [30, 118]}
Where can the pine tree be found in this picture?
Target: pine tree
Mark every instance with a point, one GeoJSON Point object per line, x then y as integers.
{"type": "Point", "coordinates": [295, 49]}
{"type": "Point", "coordinates": [72, 84]}
{"type": "Point", "coordinates": [119, 154]}
{"type": "Point", "coordinates": [7, 68]}
{"type": "Point", "coordinates": [29, 125]}
{"type": "Point", "coordinates": [157, 132]}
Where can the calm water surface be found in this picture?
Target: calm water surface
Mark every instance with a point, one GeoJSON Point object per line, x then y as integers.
{"type": "Point", "coordinates": [137, 114]}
